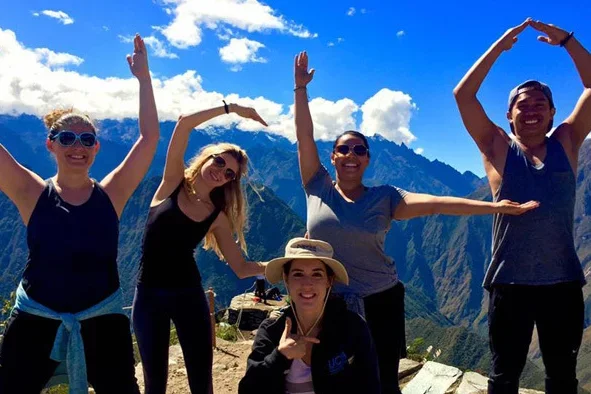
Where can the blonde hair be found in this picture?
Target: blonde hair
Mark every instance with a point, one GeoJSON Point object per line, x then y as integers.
{"type": "Point", "coordinates": [228, 198]}
{"type": "Point", "coordinates": [59, 119]}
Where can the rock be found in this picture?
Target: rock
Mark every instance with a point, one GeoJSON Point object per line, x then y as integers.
{"type": "Point", "coordinates": [529, 391]}
{"type": "Point", "coordinates": [473, 383]}
{"type": "Point", "coordinates": [253, 313]}
{"type": "Point", "coordinates": [219, 367]}
{"type": "Point", "coordinates": [433, 378]}
{"type": "Point", "coordinates": [408, 367]}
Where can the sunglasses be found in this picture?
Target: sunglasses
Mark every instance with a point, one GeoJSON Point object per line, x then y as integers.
{"type": "Point", "coordinates": [69, 138]}
{"type": "Point", "coordinates": [359, 150]}
{"type": "Point", "coordinates": [219, 162]}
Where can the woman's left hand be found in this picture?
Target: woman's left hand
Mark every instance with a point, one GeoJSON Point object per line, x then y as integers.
{"type": "Point", "coordinates": [138, 62]}
{"type": "Point", "coordinates": [509, 207]}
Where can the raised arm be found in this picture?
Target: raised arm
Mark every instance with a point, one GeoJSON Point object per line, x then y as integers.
{"type": "Point", "coordinates": [123, 180]}
{"type": "Point", "coordinates": [490, 138]}
{"type": "Point", "coordinates": [416, 204]}
{"type": "Point", "coordinates": [21, 185]}
{"type": "Point", "coordinates": [175, 164]}
{"type": "Point", "coordinates": [232, 253]}
{"type": "Point", "coordinates": [580, 118]}
{"type": "Point", "coordinates": [307, 150]}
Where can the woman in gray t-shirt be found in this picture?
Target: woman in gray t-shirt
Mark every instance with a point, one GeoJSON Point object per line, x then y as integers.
{"type": "Point", "coordinates": [355, 219]}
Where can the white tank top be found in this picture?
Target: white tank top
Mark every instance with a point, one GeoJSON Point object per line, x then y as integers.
{"type": "Point", "coordinates": [299, 379]}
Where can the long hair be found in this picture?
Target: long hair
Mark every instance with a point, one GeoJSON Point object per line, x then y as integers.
{"type": "Point", "coordinates": [228, 198]}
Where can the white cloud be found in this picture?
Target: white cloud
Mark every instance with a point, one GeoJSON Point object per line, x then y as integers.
{"type": "Point", "coordinates": [331, 118]}
{"type": "Point", "coordinates": [363, 11]}
{"type": "Point", "coordinates": [351, 11]}
{"type": "Point", "coordinates": [157, 47]}
{"type": "Point", "coordinates": [190, 17]}
{"type": "Point", "coordinates": [388, 113]}
{"type": "Point", "coordinates": [54, 59]}
{"type": "Point", "coordinates": [419, 151]}
{"type": "Point", "coordinates": [400, 33]}
{"type": "Point", "coordinates": [105, 28]}
{"type": "Point", "coordinates": [340, 39]}
{"type": "Point", "coordinates": [126, 39]}
{"type": "Point", "coordinates": [34, 81]}
{"type": "Point", "coordinates": [61, 16]}
{"type": "Point", "coordinates": [241, 50]}
{"type": "Point", "coordinates": [225, 34]}
{"type": "Point", "coordinates": [331, 44]}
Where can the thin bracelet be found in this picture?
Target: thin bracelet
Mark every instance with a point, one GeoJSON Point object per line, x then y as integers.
{"type": "Point", "coordinates": [299, 88]}
{"type": "Point", "coordinates": [568, 37]}
{"type": "Point", "coordinates": [226, 107]}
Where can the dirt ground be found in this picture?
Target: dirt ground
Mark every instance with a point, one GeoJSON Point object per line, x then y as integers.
{"type": "Point", "coordinates": [229, 364]}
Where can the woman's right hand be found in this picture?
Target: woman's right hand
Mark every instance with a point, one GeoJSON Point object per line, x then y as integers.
{"type": "Point", "coordinates": [293, 346]}
{"type": "Point", "coordinates": [509, 207]}
{"type": "Point", "coordinates": [138, 62]}
{"type": "Point", "coordinates": [247, 113]}
{"type": "Point", "coordinates": [301, 74]}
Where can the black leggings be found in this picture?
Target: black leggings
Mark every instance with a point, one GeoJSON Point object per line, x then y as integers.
{"type": "Point", "coordinates": [26, 367]}
{"type": "Point", "coordinates": [153, 309]}
{"type": "Point", "coordinates": [384, 313]}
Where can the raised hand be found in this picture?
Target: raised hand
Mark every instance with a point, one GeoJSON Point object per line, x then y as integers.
{"type": "Point", "coordinates": [510, 36]}
{"type": "Point", "coordinates": [247, 113]}
{"type": "Point", "coordinates": [514, 208]}
{"type": "Point", "coordinates": [554, 35]}
{"type": "Point", "coordinates": [293, 346]}
{"type": "Point", "coordinates": [138, 62]}
{"type": "Point", "coordinates": [301, 74]}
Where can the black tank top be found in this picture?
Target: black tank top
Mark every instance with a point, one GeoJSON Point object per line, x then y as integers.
{"type": "Point", "coordinates": [72, 262]}
{"type": "Point", "coordinates": [168, 251]}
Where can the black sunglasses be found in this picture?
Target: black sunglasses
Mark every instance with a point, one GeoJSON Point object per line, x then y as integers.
{"type": "Point", "coordinates": [69, 138]}
{"type": "Point", "coordinates": [359, 150]}
{"type": "Point", "coordinates": [219, 162]}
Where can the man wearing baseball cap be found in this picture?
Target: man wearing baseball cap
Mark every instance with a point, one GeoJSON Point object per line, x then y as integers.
{"type": "Point", "coordinates": [534, 276]}
{"type": "Point", "coordinates": [343, 359]}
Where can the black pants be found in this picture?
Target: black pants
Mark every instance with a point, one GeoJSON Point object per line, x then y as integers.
{"type": "Point", "coordinates": [153, 309]}
{"type": "Point", "coordinates": [384, 313]}
{"type": "Point", "coordinates": [558, 313]}
{"type": "Point", "coordinates": [25, 366]}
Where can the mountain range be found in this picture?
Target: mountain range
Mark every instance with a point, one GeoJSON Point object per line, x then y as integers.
{"type": "Point", "coordinates": [441, 259]}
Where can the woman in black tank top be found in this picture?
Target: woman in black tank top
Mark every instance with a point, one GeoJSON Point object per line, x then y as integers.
{"type": "Point", "coordinates": [72, 233]}
{"type": "Point", "coordinates": [203, 201]}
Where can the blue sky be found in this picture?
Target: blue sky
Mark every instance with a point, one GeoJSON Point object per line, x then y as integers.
{"type": "Point", "coordinates": [386, 67]}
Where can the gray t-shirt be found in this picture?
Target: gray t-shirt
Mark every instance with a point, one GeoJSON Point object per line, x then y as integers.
{"type": "Point", "coordinates": [536, 248]}
{"type": "Point", "coordinates": [356, 231]}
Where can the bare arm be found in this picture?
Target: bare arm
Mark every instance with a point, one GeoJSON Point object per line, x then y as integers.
{"type": "Point", "coordinates": [21, 185]}
{"type": "Point", "coordinates": [579, 121]}
{"type": "Point", "coordinates": [123, 180]}
{"type": "Point", "coordinates": [175, 164]}
{"type": "Point", "coordinates": [231, 251]}
{"type": "Point", "coordinates": [415, 205]}
{"type": "Point", "coordinates": [307, 150]}
{"type": "Point", "coordinates": [489, 137]}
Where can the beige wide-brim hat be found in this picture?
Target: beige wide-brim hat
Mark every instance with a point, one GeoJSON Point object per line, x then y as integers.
{"type": "Point", "coordinates": [306, 249]}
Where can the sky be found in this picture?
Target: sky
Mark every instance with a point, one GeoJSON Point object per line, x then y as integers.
{"type": "Point", "coordinates": [386, 67]}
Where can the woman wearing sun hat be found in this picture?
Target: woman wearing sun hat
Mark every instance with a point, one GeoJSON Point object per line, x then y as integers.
{"type": "Point", "coordinates": [317, 346]}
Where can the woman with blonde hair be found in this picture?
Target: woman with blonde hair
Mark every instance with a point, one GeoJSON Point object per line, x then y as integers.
{"type": "Point", "coordinates": [69, 307]}
{"type": "Point", "coordinates": [201, 202]}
